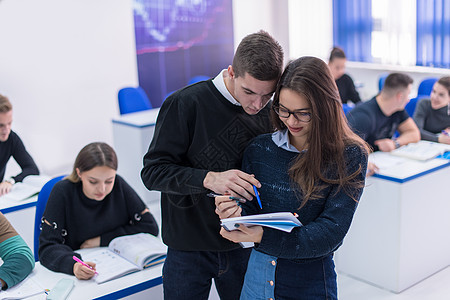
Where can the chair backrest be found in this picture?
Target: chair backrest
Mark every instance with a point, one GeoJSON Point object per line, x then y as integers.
{"type": "Point", "coordinates": [347, 108]}
{"type": "Point", "coordinates": [133, 99]}
{"type": "Point", "coordinates": [381, 81]}
{"type": "Point", "coordinates": [426, 86]}
{"type": "Point", "coordinates": [411, 106]}
{"type": "Point", "coordinates": [40, 207]}
{"type": "Point", "coordinates": [197, 79]}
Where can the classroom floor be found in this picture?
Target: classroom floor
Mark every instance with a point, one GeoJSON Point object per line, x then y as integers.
{"type": "Point", "coordinates": [435, 287]}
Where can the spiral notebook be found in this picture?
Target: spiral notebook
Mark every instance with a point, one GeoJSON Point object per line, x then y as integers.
{"type": "Point", "coordinates": [284, 221]}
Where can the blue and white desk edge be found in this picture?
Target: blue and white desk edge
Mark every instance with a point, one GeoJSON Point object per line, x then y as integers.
{"type": "Point", "coordinates": [445, 163]}
{"type": "Point", "coordinates": [114, 289]}
{"type": "Point", "coordinates": [139, 119]}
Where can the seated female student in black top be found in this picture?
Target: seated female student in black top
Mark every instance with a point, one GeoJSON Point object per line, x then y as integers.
{"type": "Point", "coordinates": [89, 208]}
{"type": "Point", "coordinates": [344, 82]}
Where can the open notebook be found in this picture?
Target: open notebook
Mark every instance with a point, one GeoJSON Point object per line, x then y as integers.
{"type": "Point", "coordinates": [24, 289]}
{"type": "Point", "coordinates": [422, 150]}
{"type": "Point", "coordinates": [284, 221]}
{"type": "Point", "coordinates": [30, 186]}
{"type": "Point", "coordinates": [126, 254]}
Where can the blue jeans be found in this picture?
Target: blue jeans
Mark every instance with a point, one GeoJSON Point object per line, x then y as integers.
{"type": "Point", "coordinates": [282, 279]}
{"type": "Point", "coordinates": [187, 274]}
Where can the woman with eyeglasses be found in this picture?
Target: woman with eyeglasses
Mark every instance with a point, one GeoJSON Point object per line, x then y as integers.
{"type": "Point", "coordinates": [314, 166]}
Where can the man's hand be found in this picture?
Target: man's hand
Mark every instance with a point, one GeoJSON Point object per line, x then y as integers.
{"type": "Point", "coordinates": [91, 243]}
{"type": "Point", "coordinates": [232, 182]}
{"type": "Point", "coordinates": [5, 188]}
{"type": "Point", "coordinates": [385, 145]}
{"type": "Point", "coordinates": [83, 272]}
{"type": "Point", "coordinates": [244, 234]}
{"type": "Point", "coordinates": [227, 208]}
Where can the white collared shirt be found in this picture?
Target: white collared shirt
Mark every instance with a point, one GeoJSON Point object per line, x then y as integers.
{"type": "Point", "coordinates": [281, 139]}
{"type": "Point", "coordinates": [219, 83]}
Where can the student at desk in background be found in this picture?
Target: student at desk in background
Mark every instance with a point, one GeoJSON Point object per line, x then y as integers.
{"type": "Point", "coordinates": [432, 115]}
{"type": "Point", "coordinates": [89, 208]}
{"type": "Point", "coordinates": [201, 133]}
{"type": "Point", "coordinates": [17, 257]}
{"type": "Point", "coordinates": [12, 145]}
{"type": "Point", "coordinates": [315, 166]}
{"type": "Point", "coordinates": [344, 82]}
{"type": "Point", "coordinates": [377, 120]}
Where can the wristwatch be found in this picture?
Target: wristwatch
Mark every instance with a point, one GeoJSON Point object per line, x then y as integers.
{"type": "Point", "coordinates": [11, 180]}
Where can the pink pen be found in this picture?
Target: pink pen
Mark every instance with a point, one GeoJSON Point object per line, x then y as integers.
{"type": "Point", "coordinates": [83, 263]}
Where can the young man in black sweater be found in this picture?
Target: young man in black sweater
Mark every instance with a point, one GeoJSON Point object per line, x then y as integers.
{"type": "Point", "coordinates": [12, 145]}
{"type": "Point", "coordinates": [201, 133]}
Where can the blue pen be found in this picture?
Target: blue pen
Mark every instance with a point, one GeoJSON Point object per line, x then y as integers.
{"type": "Point", "coordinates": [257, 196]}
{"type": "Point", "coordinates": [445, 133]}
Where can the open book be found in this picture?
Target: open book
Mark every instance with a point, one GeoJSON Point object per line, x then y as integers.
{"type": "Point", "coordinates": [29, 187]}
{"type": "Point", "coordinates": [422, 150]}
{"type": "Point", "coordinates": [284, 221]}
{"type": "Point", "coordinates": [126, 254]}
{"type": "Point", "coordinates": [24, 289]}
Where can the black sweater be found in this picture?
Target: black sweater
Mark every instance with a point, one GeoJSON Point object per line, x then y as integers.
{"type": "Point", "coordinates": [79, 218]}
{"type": "Point", "coordinates": [198, 130]}
{"type": "Point", "coordinates": [347, 89]}
{"type": "Point", "coordinates": [14, 147]}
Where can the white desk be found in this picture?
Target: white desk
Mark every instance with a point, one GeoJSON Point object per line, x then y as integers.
{"type": "Point", "coordinates": [401, 228]}
{"type": "Point", "coordinates": [132, 135]}
{"type": "Point", "coordinates": [21, 216]}
{"type": "Point", "coordinates": [146, 283]}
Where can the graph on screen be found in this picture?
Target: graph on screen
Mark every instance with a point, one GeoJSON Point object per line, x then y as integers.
{"type": "Point", "coordinates": [179, 39]}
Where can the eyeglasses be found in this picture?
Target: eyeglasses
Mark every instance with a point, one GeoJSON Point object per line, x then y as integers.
{"type": "Point", "coordinates": [300, 115]}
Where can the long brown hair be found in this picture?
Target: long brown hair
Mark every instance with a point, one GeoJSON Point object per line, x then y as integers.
{"type": "Point", "coordinates": [93, 155]}
{"type": "Point", "coordinates": [329, 134]}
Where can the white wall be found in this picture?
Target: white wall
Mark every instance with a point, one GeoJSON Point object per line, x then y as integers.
{"type": "Point", "coordinates": [250, 16]}
{"type": "Point", "coordinates": [310, 28]}
{"type": "Point", "coordinates": [366, 76]}
{"type": "Point", "coordinates": [61, 65]}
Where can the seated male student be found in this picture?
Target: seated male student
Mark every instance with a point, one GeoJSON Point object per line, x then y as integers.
{"type": "Point", "coordinates": [17, 258]}
{"type": "Point", "coordinates": [377, 119]}
{"type": "Point", "coordinates": [12, 145]}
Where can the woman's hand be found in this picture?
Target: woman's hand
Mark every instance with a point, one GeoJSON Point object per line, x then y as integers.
{"type": "Point", "coordinates": [444, 138]}
{"type": "Point", "coordinates": [227, 208]}
{"type": "Point", "coordinates": [83, 272]}
{"type": "Point", "coordinates": [371, 169]}
{"type": "Point", "coordinates": [91, 243]}
{"type": "Point", "coordinates": [244, 234]}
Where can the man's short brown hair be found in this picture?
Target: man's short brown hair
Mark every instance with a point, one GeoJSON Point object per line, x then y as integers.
{"type": "Point", "coordinates": [259, 55]}
{"type": "Point", "coordinates": [397, 81]}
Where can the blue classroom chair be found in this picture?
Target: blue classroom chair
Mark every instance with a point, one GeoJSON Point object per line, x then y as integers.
{"type": "Point", "coordinates": [197, 79]}
{"type": "Point", "coordinates": [381, 80]}
{"type": "Point", "coordinates": [426, 86]}
{"type": "Point", "coordinates": [40, 208]}
{"type": "Point", "coordinates": [133, 99]}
